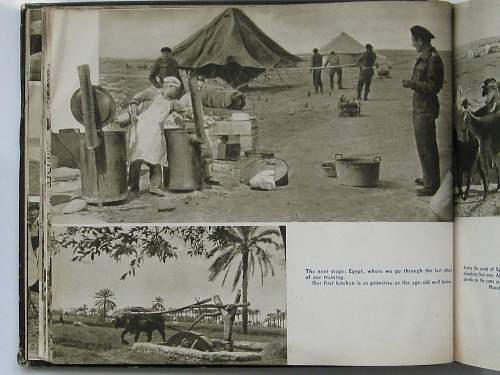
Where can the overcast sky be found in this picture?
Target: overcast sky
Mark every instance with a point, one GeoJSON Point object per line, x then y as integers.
{"type": "Point", "coordinates": [178, 282]}
{"type": "Point", "coordinates": [140, 33]}
{"type": "Point", "coordinates": [476, 19]}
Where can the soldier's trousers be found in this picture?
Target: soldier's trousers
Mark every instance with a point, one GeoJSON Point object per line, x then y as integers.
{"type": "Point", "coordinates": [424, 125]}
{"type": "Point", "coordinates": [134, 175]}
{"type": "Point", "coordinates": [366, 81]}
{"type": "Point", "coordinates": [317, 80]}
{"type": "Point", "coordinates": [339, 78]}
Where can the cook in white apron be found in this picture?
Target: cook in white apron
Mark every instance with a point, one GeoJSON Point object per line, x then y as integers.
{"type": "Point", "coordinates": [147, 141]}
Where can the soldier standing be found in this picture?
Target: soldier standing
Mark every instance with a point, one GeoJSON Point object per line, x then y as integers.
{"type": "Point", "coordinates": [317, 62]}
{"type": "Point", "coordinates": [426, 82]}
{"type": "Point", "coordinates": [334, 61]}
{"type": "Point", "coordinates": [365, 63]}
{"type": "Point", "coordinates": [165, 66]}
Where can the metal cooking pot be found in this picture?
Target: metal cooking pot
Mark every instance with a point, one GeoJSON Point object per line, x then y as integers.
{"type": "Point", "coordinates": [354, 171]}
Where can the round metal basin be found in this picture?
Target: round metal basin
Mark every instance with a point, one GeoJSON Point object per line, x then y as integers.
{"type": "Point", "coordinates": [358, 171]}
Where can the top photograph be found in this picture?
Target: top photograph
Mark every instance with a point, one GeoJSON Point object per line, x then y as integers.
{"type": "Point", "coordinates": [248, 113]}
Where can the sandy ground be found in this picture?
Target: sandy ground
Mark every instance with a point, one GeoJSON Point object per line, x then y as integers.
{"type": "Point", "coordinates": [303, 130]}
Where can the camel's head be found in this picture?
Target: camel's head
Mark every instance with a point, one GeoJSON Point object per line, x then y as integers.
{"type": "Point", "coordinates": [489, 90]}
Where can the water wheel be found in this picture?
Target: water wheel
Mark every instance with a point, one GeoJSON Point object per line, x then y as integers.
{"type": "Point", "coordinates": [192, 340]}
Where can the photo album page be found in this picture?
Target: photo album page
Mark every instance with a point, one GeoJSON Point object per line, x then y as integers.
{"type": "Point", "coordinates": [260, 184]}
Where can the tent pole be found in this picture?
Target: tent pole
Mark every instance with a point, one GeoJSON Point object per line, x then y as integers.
{"type": "Point", "coordinates": [206, 152]}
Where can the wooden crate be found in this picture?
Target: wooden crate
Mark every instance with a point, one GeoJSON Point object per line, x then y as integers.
{"type": "Point", "coordinates": [231, 128]}
{"type": "Point", "coordinates": [232, 132]}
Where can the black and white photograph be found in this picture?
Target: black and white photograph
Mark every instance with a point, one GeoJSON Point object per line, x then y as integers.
{"type": "Point", "coordinates": [251, 113]}
{"type": "Point", "coordinates": [477, 126]}
{"type": "Point", "coordinates": [169, 295]}
{"type": "Point", "coordinates": [32, 272]}
{"type": "Point", "coordinates": [33, 140]}
{"type": "Point", "coordinates": [34, 45]}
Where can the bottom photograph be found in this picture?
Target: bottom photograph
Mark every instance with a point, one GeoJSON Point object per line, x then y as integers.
{"type": "Point", "coordinates": [169, 295]}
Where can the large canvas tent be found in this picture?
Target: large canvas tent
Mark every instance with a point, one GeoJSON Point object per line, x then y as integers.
{"type": "Point", "coordinates": [232, 47]}
{"type": "Point", "coordinates": [346, 47]}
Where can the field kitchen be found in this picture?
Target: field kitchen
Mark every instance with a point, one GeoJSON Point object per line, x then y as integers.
{"type": "Point", "coordinates": [252, 141]}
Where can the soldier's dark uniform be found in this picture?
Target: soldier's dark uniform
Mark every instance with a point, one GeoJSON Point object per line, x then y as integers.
{"type": "Point", "coordinates": [366, 62]}
{"type": "Point", "coordinates": [165, 67]}
{"type": "Point", "coordinates": [427, 82]}
{"type": "Point", "coordinates": [317, 62]}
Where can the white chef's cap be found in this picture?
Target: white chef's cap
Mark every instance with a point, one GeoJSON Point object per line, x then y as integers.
{"type": "Point", "coordinates": [171, 81]}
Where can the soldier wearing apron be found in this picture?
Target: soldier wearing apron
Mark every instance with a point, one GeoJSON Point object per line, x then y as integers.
{"type": "Point", "coordinates": [147, 141]}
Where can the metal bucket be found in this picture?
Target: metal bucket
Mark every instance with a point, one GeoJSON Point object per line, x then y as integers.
{"type": "Point", "coordinates": [184, 161]}
{"type": "Point", "coordinates": [329, 168]}
{"type": "Point", "coordinates": [111, 158]}
{"type": "Point", "coordinates": [362, 172]}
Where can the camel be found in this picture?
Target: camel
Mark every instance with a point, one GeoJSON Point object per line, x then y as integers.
{"type": "Point", "coordinates": [485, 128]}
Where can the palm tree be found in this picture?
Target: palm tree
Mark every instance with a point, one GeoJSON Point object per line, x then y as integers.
{"type": "Point", "coordinates": [257, 312]}
{"type": "Point", "coordinates": [283, 317]}
{"type": "Point", "coordinates": [278, 317]}
{"type": "Point", "coordinates": [244, 246]}
{"type": "Point", "coordinates": [268, 319]}
{"type": "Point", "coordinates": [158, 304]}
{"type": "Point", "coordinates": [104, 301]}
{"type": "Point", "coordinates": [251, 314]}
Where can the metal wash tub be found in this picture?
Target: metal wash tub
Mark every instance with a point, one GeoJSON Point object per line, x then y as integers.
{"type": "Point", "coordinates": [358, 171]}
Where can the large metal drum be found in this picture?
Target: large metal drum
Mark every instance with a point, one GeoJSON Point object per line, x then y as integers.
{"type": "Point", "coordinates": [184, 161]}
{"type": "Point", "coordinates": [111, 158]}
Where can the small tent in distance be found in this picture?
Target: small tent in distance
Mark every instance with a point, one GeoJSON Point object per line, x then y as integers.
{"type": "Point", "coordinates": [232, 47]}
{"type": "Point", "coordinates": [346, 47]}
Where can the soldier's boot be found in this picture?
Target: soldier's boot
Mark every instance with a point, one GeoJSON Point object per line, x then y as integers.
{"type": "Point", "coordinates": [365, 97]}
{"type": "Point", "coordinates": [359, 94]}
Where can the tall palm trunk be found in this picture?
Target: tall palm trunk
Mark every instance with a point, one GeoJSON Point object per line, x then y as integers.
{"type": "Point", "coordinates": [104, 310]}
{"type": "Point", "coordinates": [244, 288]}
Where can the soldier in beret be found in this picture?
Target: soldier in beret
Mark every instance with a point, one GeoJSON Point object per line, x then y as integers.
{"type": "Point", "coordinates": [426, 82]}
{"type": "Point", "coordinates": [316, 64]}
{"type": "Point", "coordinates": [165, 66]}
{"type": "Point", "coordinates": [365, 63]}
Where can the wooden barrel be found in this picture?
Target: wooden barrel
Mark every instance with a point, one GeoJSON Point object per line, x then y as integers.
{"type": "Point", "coordinates": [184, 162]}
{"type": "Point", "coordinates": [111, 157]}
